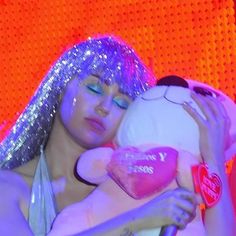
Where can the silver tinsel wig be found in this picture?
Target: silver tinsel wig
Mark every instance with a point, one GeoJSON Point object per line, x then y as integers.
{"type": "Point", "coordinates": [112, 59]}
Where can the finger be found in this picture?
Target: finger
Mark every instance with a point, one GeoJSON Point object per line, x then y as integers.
{"type": "Point", "coordinates": [219, 105]}
{"type": "Point", "coordinates": [217, 108]}
{"type": "Point", "coordinates": [194, 198]}
{"type": "Point", "coordinates": [186, 201]}
{"type": "Point", "coordinates": [186, 206]}
{"type": "Point", "coordinates": [199, 199]}
{"type": "Point", "coordinates": [179, 222]}
{"type": "Point", "coordinates": [186, 194]}
{"type": "Point", "coordinates": [182, 218]}
{"type": "Point", "coordinates": [227, 135]}
{"type": "Point", "coordinates": [221, 115]}
{"type": "Point", "coordinates": [213, 109]}
{"type": "Point", "coordinates": [208, 108]}
{"type": "Point", "coordinates": [194, 114]}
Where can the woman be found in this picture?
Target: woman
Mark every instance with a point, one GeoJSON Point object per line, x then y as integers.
{"type": "Point", "coordinates": [78, 106]}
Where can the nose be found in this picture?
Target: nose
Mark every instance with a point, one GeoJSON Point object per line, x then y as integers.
{"type": "Point", "coordinates": [104, 106]}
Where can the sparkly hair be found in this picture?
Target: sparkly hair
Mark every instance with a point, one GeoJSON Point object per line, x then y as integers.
{"type": "Point", "coordinates": [107, 57]}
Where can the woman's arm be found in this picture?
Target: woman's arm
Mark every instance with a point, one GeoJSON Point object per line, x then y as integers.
{"type": "Point", "coordinates": [12, 220]}
{"type": "Point", "coordinates": [214, 133]}
{"type": "Point", "coordinates": [174, 207]}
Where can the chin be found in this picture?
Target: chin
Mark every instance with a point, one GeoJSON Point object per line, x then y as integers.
{"type": "Point", "coordinates": [88, 139]}
{"type": "Point", "coordinates": [89, 143]}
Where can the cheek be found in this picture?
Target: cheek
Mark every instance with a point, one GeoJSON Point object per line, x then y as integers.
{"type": "Point", "coordinates": [71, 108]}
{"type": "Point", "coordinates": [115, 121]}
{"type": "Point", "coordinates": [65, 110]}
{"type": "Point", "coordinates": [74, 109]}
{"type": "Point", "coordinates": [67, 103]}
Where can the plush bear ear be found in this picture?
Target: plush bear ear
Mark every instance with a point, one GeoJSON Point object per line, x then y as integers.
{"type": "Point", "coordinates": [172, 80]}
{"type": "Point", "coordinates": [91, 165]}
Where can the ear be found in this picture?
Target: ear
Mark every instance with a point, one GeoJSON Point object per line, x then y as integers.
{"type": "Point", "coordinates": [91, 165]}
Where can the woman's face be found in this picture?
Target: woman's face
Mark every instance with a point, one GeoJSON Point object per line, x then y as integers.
{"type": "Point", "coordinates": [91, 111]}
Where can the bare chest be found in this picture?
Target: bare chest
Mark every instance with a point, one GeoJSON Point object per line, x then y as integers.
{"type": "Point", "coordinates": [69, 197]}
{"type": "Point", "coordinates": [65, 195]}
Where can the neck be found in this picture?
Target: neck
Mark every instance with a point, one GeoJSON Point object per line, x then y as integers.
{"type": "Point", "coordinates": [62, 152]}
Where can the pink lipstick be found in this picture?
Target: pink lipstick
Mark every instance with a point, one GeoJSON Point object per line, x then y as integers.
{"type": "Point", "coordinates": [95, 124]}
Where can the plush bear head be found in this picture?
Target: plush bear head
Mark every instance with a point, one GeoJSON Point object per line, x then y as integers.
{"type": "Point", "coordinates": [157, 116]}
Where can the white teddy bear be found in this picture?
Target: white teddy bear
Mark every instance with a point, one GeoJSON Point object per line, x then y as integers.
{"type": "Point", "coordinates": [155, 134]}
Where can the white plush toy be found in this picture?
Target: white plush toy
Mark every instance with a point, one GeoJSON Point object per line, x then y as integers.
{"type": "Point", "coordinates": [155, 135]}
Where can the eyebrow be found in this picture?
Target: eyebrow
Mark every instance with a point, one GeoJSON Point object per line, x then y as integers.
{"type": "Point", "coordinates": [107, 83]}
{"type": "Point", "coordinates": [97, 76]}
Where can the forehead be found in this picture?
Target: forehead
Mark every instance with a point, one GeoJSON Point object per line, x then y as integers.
{"type": "Point", "coordinates": [109, 87]}
{"type": "Point", "coordinates": [98, 78]}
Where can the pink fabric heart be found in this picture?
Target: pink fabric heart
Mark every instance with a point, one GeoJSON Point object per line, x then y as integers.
{"type": "Point", "coordinates": [208, 185]}
{"type": "Point", "coordinates": [140, 174]}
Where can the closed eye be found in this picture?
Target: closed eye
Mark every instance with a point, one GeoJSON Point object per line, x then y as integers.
{"type": "Point", "coordinates": [95, 88]}
{"type": "Point", "coordinates": [121, 102]}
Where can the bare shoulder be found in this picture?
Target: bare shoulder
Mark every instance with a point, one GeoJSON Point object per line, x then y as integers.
{"type": "Point", "coordinates": [15, 195]}
{"type": "Point", "coordinates": [12, 185]}
{"type": "Point", "coordinates": [17, 183]}
{"type": "Point", "coordinates": [14, 200]}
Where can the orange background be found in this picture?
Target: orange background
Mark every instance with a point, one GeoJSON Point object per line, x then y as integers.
{"type": "Point", "coordinates": [190, 38]}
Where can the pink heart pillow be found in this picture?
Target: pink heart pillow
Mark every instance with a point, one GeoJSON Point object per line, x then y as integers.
{"type": "Point", "coordinates": [140, 174]}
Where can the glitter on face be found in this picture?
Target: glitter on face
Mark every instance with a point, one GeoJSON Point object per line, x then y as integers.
{"type": "Point", "coordinates": [107, 57]}
{"type": "Point", "coordinates": [74, 102]}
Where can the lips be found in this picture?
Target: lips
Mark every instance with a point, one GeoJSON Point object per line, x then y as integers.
{"type": "Point", "coordinates": [95, 124]}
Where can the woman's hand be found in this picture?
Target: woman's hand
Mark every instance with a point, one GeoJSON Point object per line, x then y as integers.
{"type": "Point", "coordinates": [214, 138]}
{"type": "Point", "coordinates": [213, 129]}
{"type": "Point", "coordinates": [174, 207]}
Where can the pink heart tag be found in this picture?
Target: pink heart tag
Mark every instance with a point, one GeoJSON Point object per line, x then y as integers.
{"type": "Point", "coordinates": [208, 185]}
{"type": "Point", "coordinates": [141, 174]}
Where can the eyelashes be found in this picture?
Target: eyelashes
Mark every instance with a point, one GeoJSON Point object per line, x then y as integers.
{"type": "Point", "coordinates": [119, 101]}
{"type": "Point", "coordinates": [95, 88]}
